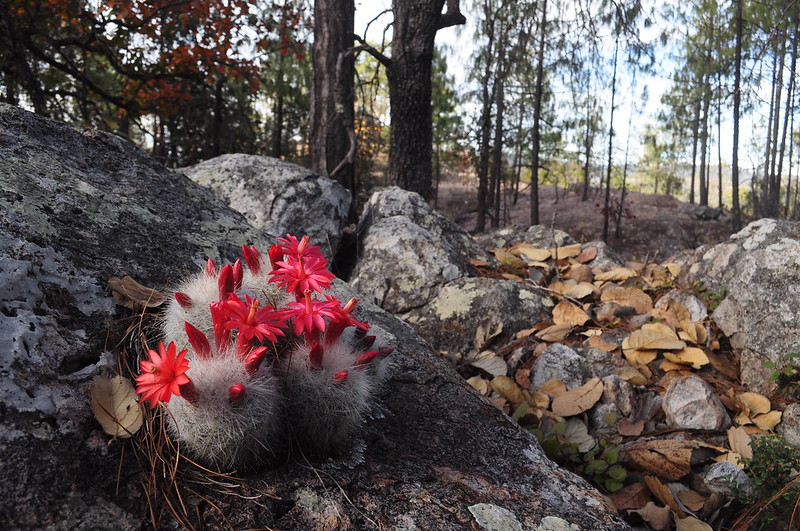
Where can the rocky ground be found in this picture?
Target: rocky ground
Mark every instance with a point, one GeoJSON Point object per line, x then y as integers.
{"type": "Point", "coordinates": [655, 228]}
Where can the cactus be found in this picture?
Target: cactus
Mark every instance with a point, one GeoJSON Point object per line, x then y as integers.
{"type": "Point", "coordinates": [265, 362]}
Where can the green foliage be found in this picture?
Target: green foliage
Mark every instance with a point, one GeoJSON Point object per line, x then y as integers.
{"type": "Point", "coordinates": [600, 465]}
{"type": "Point", "coordinates": [786, 377]}
{"type": "Point", "coordinates": [771, 469]}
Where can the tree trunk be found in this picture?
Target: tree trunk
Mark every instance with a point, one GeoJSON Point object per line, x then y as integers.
{"type": "Point", "coordinates": [704, 142]}
{"type": "Point", "coordinates": [537, 115]}
{"type": "Point", "coordinates": [695, 138]}
{"type": "Point", "coordinates": [788, 111]}
{"type": "Point", "coordinates": [497, 149]}
{"type": "Point", "coordinates": [485, 122]}
{"type": "Point", "coordinates": [736, 219]}
{"type": "Point", "coordinates": [329, 138]}
{"type": "Point", "coordinates": [411, 135]}
{"type": "Point", "coordinates": [587, 145]}
{"type": "Point", "coordinates": [277, 114]}
{"type": "Point", "coordinates": [607, 207]}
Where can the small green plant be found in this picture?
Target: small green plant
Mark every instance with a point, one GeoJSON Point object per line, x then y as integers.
{"type": "Point", "coordinates": [786, 377]}
{"type": "Point", "coordinates": [772, 492]}
{"type": "Point", "coordinates": [599, 465]}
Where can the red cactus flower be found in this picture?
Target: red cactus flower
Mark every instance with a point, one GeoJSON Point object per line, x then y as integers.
{"type": "Point", "coordinates": [308, 316]}
{"type": "Point", "coordinates": [343, 318]}
{"type": "Point", "coordinates": [298, 274]}
{"type": "Point", "coordinates": [252, 321]}
{"type": "Point", "coordinates": [252, 258]}
{"type": "Point", "coordinates": [294, 247]}
{"type": "Point", "coordinates": [164, 375]}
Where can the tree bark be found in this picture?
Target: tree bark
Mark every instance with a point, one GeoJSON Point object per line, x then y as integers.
{"type": "Point", "coordinates": [411, 136]}
{"type": "Point", "coordinates": [485, 122]}
{"type": "Point", "coordinates": [329, 139]}
{"type": "Point", "coordinates": [537, 116]}
{"type": "Point", "coordinates": [736, 219]}
{"type": "Point", "coordinates": [607, 206]}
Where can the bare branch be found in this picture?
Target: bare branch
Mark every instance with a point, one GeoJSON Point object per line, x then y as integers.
{"type": "Point", "coordinates": [452, 17]}
{"type": "Point", "coordinates": [382, 59]}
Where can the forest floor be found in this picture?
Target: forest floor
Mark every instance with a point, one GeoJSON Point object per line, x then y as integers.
{"type": "Point", "coordinates": [655, 227]}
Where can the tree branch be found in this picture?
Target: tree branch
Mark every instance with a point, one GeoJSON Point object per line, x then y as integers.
{"type": "Point", "coordinates": [382, 59]}
{"type": "Point", "coordinates": [452, 17]}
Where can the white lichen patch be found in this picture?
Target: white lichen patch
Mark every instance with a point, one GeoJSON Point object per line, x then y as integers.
{"type": "Point", "coordinates": [494, 518]}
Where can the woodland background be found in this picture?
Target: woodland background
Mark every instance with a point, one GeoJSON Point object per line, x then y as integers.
{"type": "Point", "coordinates": [545, 82]}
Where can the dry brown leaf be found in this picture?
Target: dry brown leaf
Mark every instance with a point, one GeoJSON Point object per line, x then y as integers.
{"type": "Point", "coordinates": [767, 421]}
{"type": "Point", "coordinates": [480, 384]}
{"type": "Point", "coordinates": [601, 344]}
{"type": "Point", "coordinates": [754, 403]}
{"type": "Point", "coordinates": [530, 252]}
{"type": "Point", "coordinates": [555, 333]}
{"type": "Point", "coordinates": [739, 441]}
{"type": "Point", "coordinates": [632, 376]}
{"type": "Point", "coordinates": [663, 494]}
{"type": "Point", "coordinates": [553, 387]}
{"type": "Point", "coordinates": [508, 389]}
{"type": "Point", "coordinates": [688, 356]}
{"type": "Point", "coordinates": [490, 362]}
{"type": "Point", "coordinates": [128, 293]}
{"type": "Point", "coordinates": [690, 523]}
{"type": "Point", "coordinates": [667, 458]}
{"type": "Point", "coordinates": [524, 333]}
{"type": "Point", "coordinates": [566, 251]}
{"type": "Point", "coordinates": [509, 276]}
{"type": "Point", "coordinates": [523, 378]}
{"type": "Point", "coordinates": [509, 259]}
{"type": "Point", "coordinates": [693, 501]}
{"type": "Point", "coordinates": [752, 430]}
{"type": "Point", "coordinates": [633, 496]}
{"type": "Point", "coordinates": [540, 399]}
{"type": "Point", "coordinates": [654, 336]}
{"type": "Point", "coordinates": [639, 357]}
{"type": "Point", "coordinates": [580, 290]}
{"type": "Point", "coordinates": [656, 517]}
{"type": "Point", "coordinates": [474, 262]}
{"type": "Point", "coordinates": [667, 366]}
{"type": "Point", "coordinates": [616, 274]}
{"type": "Point", "coordinates": [633, 297]}
{"type": "Point", "coordinates": [566, 313]}
{"type": "Point", "coordinates": [673, 268]}
{"type": "Point", "coordinates": [581, 273]}
{"type": "Point", "coordinates": [626, 428]}
{"type": "Point", "coordinates": [731, 457]}
{"type": "Point", "coordinates": [672, 312]}
{"type": "Point", "coordinates": [587, 255]}
{"type": "Point", "coordinates": [115, 406]}
{"type": "Point", "coordinates": [579, 399]}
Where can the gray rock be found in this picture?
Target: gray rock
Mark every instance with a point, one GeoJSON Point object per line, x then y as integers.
{"type": "Point", "coordinates": [407, 251]}
{"type": "Point", "coordinates": [494, 518]}
{"type": "Point", "coordinates": [721, 477]}
{"type": "Point", "coordinates": [789, 427]}
{"type": "Point", "coordinates": [536, 235]}
{"type": "Point", "coordinates": [758, 270]}
{"type": "Point", "coordinates": [562, 363]}
{"type": "Point", "coordinates": [691, 404]}
{"type": "Point", "coordinates": [697, 309]}
{"type": "Point", "coordinates": [77, 208]}
{"type": "Point", "coordinates": [452, 319]}
{"type": "Point", "coordinates": [606, 259]}
{"type": "Point", "coordinates": [278, 197]}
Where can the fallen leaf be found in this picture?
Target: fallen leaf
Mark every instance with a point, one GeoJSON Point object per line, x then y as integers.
{"type": "Point", "coordinates": [601, 344]}
{"type": "Point", "coordinates": [508, 389]}
{"type": "Point", "coordinates": [632, 376]}
{"type": "Point", "coordinates": [579, 399]}
{"type": "Point", "coordinates": [566, 313]}
{"type": "Point", "coordinates": [690, 523]}
{"type": "Point", "coordinates": [667, 366]}
{"type": "Point", "coordinates": [693, 501]}
{"type": "Point", "coordinates": [667, 458]}
{"type": "Point", "coordinates": [656, 517]}
{"type": "Point", "coordinates": [616, 274]}
{"type": "Point", "coordinates": [524, 333]}
{"type": "Point", "coordinates": [767, 421]}
{"type": "Point", "coordinates": [663, 494]}
{"type": "Point", "coordinates": [754, 403]}
{"type": "Point", "coordinates": [509, 259]}
{"type": "Point", "coordinates": [633, 496]}
{"type": "Point", "coordinates": [490, 362]}
{"type": "Point", "coordinates": [633, 297]}
{"type": "Point", "coordinates": [566, 251]}
{"type": "Point", "coordinates": [654, 336]}
{"type": "Point", "coordinates": [626, 428]}
{"type": "Point", "coordinates": [639, 357]}
{"type": "Point", "coordinates": [553, 387]}
{"type": "Point", "coordinates": [739, 441]}
{"type": "Point", "coordinates": [587, 255]}
{"type": "Point", "coordinates": [540, 399]}
{"type": "Point", "coordinates": [581, 273]}
{"type": "Point", "coordinates": [580, 290]}
{"type": "Point", "coordinates": [115, 406]}
{"type": "Point", "coordinates": [474, 262]}
{"type": "Point", "coordinates": [673, 268]}
{"type": "Point", "coordinates": [487, 330]}
{"type": "Point", "coordinates": [523, 378]}
{"type": "Point", "coordinates": [509, 276]}
{"type": "Point", "coordinates": [128, 293]}
{"type": "Point", "coordinates": [530, 252]}
{"type": "Point", "coordinates": [688, 356]}
{"type": "Point", "coordinates": [576, 432]}
{"type": "Point", "coordinates": [555, 333]}
{"type": "Point", "coordinates": [480, 384]}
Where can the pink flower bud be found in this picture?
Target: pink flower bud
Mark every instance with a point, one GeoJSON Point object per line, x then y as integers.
{"type": "Point", "coordinates": [252, 258]}
{"type": "Point", "coordinates": [369, 341]}
{"type": "Point", "coordinates": [183, 299]}
{"type": "Point", "coordinates": [225, 282]}
{"type": "Point", "coordinates": [198, 341]}
{"type": "Point", "coordinates": [253, 360]}
{"type": "Point", "coordinates": [238, 275]}
{"type": "Point", "coordinates": [236, 394]}
{"type": "Point", "coordinates": [365, 358]}
{"type": "Point", "coordinates": [211, 268]}
{"type": "Point", "coordinates": [340, 377]}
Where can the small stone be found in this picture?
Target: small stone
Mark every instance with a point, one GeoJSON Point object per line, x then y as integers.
{"type": "Point", "coordinates": [789, 428]}
{"type": "Point", "coordinates": [494, 518]}
{"type": "Point", "coordinates": [562, 363]}
{"type": "Point", "coordinates": [554, 523]}
{"type": "Point", "coordinates": [721, 477]}
{"type": "Point", "coordinates": [690, 404]}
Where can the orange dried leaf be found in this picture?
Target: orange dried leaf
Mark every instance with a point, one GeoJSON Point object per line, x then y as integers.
{"type": "Point", "coordinates": [767, 421]}
{"type": "Point", "coordinates": [553, 387]}
{"type": "Point", "coordinates": [663, 494]}
{"type": "Point", "coordinates": [508, 389]}
{"type": "Point", "coordinates": [616, 274]}
{"type": "Point", "coordinates": [578, 400]}
{"type": "Point", "coordinates": [587, 255]}
{"type": "Point", "coordinates": [566, 251]}
{"type": "Point", "coordinates": [634, 496]}
{"type": "Point", "coordinates": [554, 333]}
{"type": "Point", "coordinates": [566, 313]}
{"type": "Point", "coordinates": [530, 252]}
{"type": "Point", "coordinates": [739, 441]}
{"type": "Point", "coordinates": [694, 501]}
{"type": "Point", "coordinates": [688, 356]}
{"type": "Point", "coordinates": [755, 403]}
{"type": "Point", "coordinates": [601, 344]}
{"type": "Point", "coordinates": [654, 337]}
{"type": "Point", "coordinates": [633, 297]}
{"type": "Point", "coordinates": [626, 428]}
{"type": "Point", "coordinates": [130, 294]}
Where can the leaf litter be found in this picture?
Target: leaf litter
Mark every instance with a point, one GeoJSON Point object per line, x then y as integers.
{"type": "Point", "coordinates": [617, 312]}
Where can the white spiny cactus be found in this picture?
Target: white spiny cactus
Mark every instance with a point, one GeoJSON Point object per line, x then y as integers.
{"type": "Point", "coordinates": [244, 391]}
